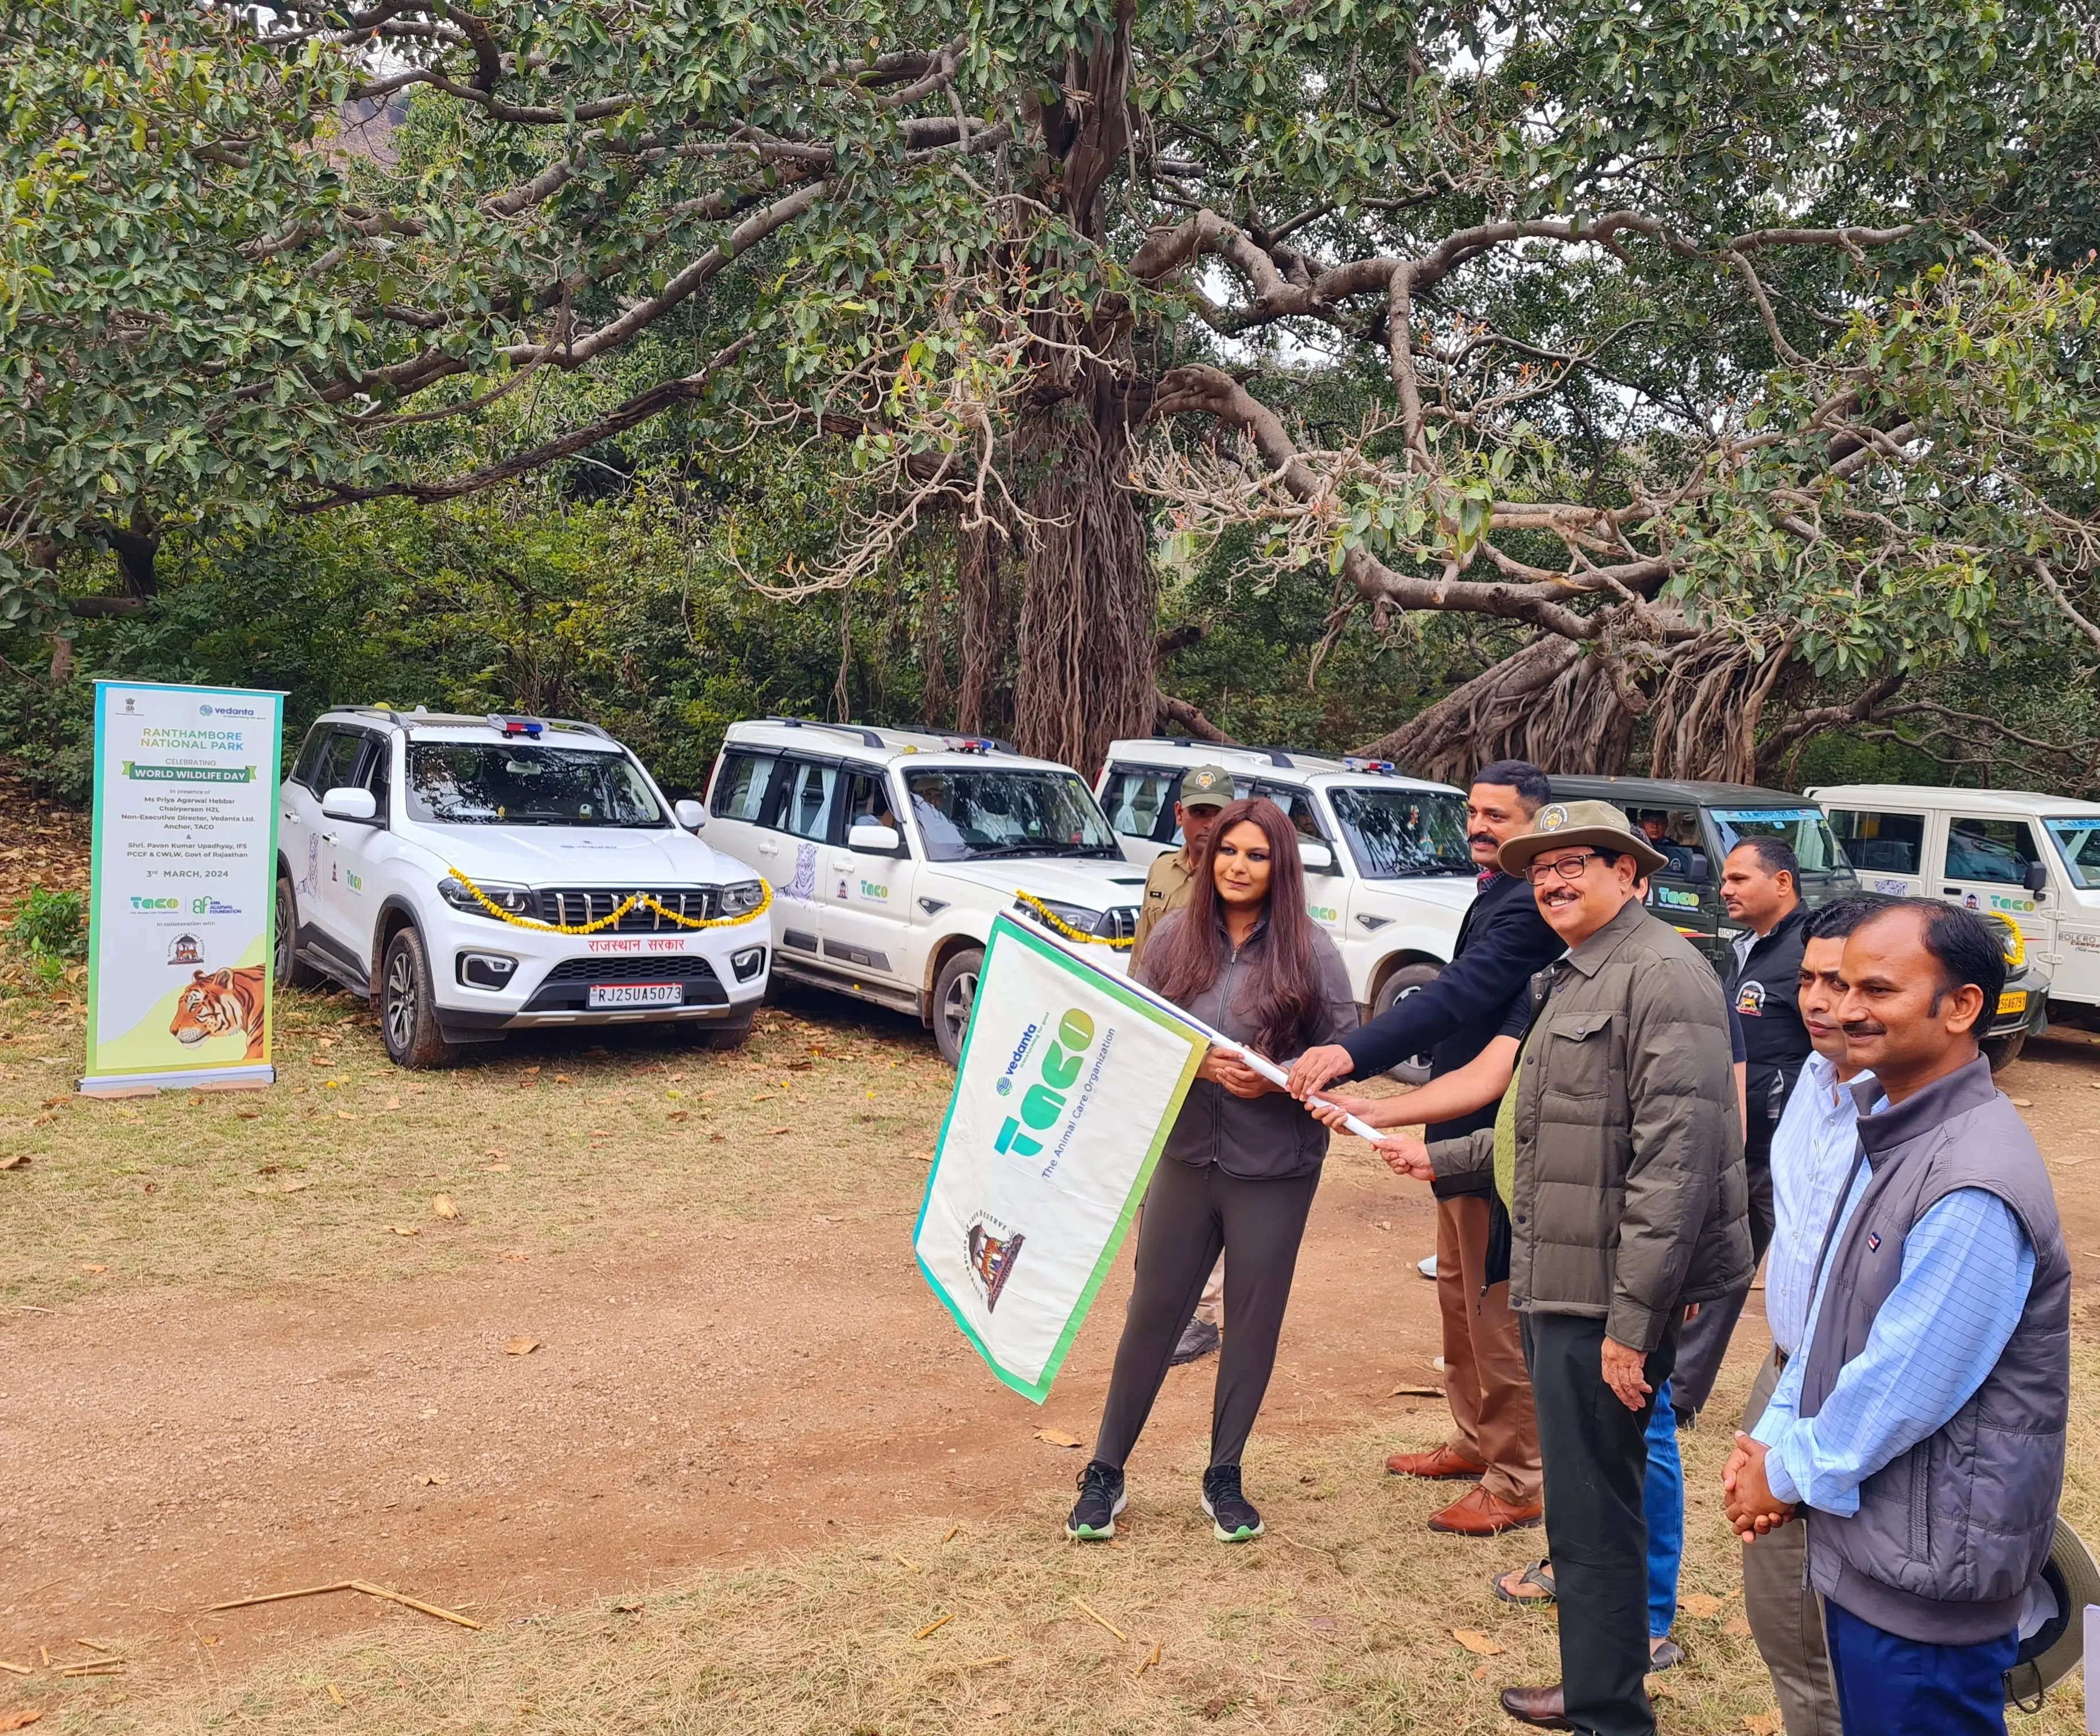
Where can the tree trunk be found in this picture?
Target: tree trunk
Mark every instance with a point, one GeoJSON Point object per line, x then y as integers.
{"type": "Point", "coordinates": [983, 635]}
{"type": "Point", "coordinates": [932, 662]}
{"type": "Point", "coordinates": [1087, 620]}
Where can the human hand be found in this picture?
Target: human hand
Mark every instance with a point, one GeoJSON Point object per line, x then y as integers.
{"type": "Point", "coordinates": [1753, 1510]}
{"type": "Point", "coordinates": [1316, 1067]}
{"type": "Point", "coordinates": [1625, 1372]}
{"type": "Point", "coordinates": [1334, 1108]}
{"type": "Point", "coordinates": [1406, 1156]}
{"type": "Point", "coordinates": [1691, 1312]}
{"type": "Point", "coordinates": [1224, 1067]}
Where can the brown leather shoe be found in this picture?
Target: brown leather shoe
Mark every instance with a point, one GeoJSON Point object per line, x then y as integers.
{"type": "Point", "coordinates": [1442, 1466]}
{"type": "Point", "coordinates": [1542, 1708]}
{"type": "Point", "coordinates": [1477, 1514]}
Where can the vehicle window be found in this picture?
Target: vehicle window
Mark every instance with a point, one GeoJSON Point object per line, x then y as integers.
{"type": "Point", "coordinates": [1804, 830]}
{"type": "Point", "coordinates": [1995, 850]}
{"type": "Point", "coordinates": [2079, 843]}
{"type": "Point", "coordinates": [970, 815]}
{"type": "Point", "coordinates": [868, 800]}
{"type": "Point", "coordinates": [310, 754]}
{"type": "Point", "coordinates": [1298, 807]}
{"type": "Point", "coordinates": [1880, 842]}
{"type": "Point", "coordinates": [477, 783]}
{"type": "Point", "coordinates": [379, 774]}
{"type": "Point", "coordinates": [1672, 830]}
{"type": "Point", "coordinates": [336, 764]}
{"type": "Point", "coordinates": [1139, 802]}
{"type": "Point", "coordinates": [1393, 833]}
{"type": "Point", "coordinates": [739, 792]}
{"type": "Point", "coordinates": [806, 811]}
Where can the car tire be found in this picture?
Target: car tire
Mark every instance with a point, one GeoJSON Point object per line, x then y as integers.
{"type": "Point", "coordinates": [2002, 1051]}
{"type": "Point", "coordinates": [288, 969]}
{"type": "Point", "coordinates": [408, 1007]}
{"type": "Point", "coordinates": [955, 995]}
{"type": "Point", "coordinates": [1403, 982]}
{"type": "Point", "coordinates": [723, 1036]}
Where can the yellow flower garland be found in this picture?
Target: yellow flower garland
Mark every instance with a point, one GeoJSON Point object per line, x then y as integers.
{"type": "Point", "coordinates": [1066, 929]}
{"type": "Point", "coordinates": [627, 904]}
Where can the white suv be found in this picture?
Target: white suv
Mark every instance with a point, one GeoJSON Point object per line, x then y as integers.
{"type": "Point", "coordinates": [890, 850]}
{"type": "Point", "coordinates": [407, 841]}
{"type": "Point", "coordinates": [1392, 883]}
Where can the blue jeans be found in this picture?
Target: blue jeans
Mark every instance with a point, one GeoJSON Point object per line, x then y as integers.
{"type": "Point", "coordinates": [1891, 1686]}
{"type": "Point", "coordinates": [1662, 1498]}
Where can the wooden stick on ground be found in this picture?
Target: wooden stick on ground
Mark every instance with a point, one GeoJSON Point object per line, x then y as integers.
{"type": "Point", "coordinates": [414, 1603]}
{"type": "Point", "coordinates": [307, 1591]}
{"type": "Point", "coordinates": [1087, 1608]}
{"type": "Point", "coordinates": [14, 1669]}
{"type": "Point", "coordinates": [934, 1627]}
{"type": "Point", "coordinates": [1151, 1658]}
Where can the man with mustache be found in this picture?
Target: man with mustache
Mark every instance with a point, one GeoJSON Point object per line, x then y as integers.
{"type": "Point", "coordinates": [1618, 1150]}
{"type": "Point", "coordinates": [1920, 1430]}
{"type": "Point", "coordinates": [1761, 889]}
{"type": "Point", "coordinates": [1811, 1158]}
{"type": "Point", "coordinates": [1494, 1440]}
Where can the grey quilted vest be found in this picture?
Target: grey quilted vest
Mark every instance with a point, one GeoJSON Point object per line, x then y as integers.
{"type": "Point", "coordinates": [1949, 1535]}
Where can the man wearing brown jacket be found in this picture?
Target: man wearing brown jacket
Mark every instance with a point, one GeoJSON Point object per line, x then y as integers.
{"type": "Point", "coordinates": [1619, 1153]}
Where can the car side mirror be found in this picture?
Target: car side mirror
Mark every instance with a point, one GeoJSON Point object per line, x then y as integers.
{"type": "Point", "coordinates": [1317, 858]}
{"type": "Point", "coordinates": [875, 840]}
{"type": "Point", "coordinates": [1698, 868]}
{"type": "Point", "coordinates": [2038, 877]}
{"type": "Point", "coordinates": [690, 814]}
{"type": "Point", "coordinates": [350, 803]}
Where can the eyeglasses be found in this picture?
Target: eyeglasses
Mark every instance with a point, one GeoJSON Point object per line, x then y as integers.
{"type": "Point", "coordinates": [1568, 867]}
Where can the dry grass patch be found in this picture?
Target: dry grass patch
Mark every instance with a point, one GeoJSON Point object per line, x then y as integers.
{"type": "Point", "coordinates": [545, 1143]}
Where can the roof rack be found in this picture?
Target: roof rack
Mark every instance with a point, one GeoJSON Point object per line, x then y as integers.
{"type": "Point", "coordinates": [1274, 756]}
{"type": "Point", "coordinates": [577, 723]}
{"type": "Point", "coordinates": [868, 737]}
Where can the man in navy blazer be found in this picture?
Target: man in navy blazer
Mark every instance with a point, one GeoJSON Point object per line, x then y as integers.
{"type": "Point", "coordinates": [1503, 941]}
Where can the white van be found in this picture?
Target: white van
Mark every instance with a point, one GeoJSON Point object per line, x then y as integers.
{"type": "Point", "coordinates": [889, 851]}
{"type": "Point", "coordinates": [1393, 881]}
{"type": "Point", "coordinates": [2033, 859]}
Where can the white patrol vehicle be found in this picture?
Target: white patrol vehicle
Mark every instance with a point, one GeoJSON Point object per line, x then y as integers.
{"type": "Point", "coordinates": [2033, 859]}
{"type": "Point", "coordinates": [429, 861]}
{"type": "Point", "coordinates": [890, 850]}
{"type": "Point", "coordinates": [1388, 873]}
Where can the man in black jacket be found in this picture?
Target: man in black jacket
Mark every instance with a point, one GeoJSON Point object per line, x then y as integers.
{"type": "Point", "coordinates": [1503, 941]}
{"type": "Point", "coordinates": [1761, 889]}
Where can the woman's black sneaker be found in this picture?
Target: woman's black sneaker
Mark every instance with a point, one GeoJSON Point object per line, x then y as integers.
{"type": "Point", "coordinates": [1101, 1498]}
{"type": "Point", "coordinates": [1233, 1515]}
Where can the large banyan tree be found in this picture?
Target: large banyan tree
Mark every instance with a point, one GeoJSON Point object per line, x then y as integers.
{"type": "Point", "coordinates": [1737, 360]}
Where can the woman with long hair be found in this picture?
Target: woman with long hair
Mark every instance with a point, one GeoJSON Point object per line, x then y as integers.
{"type": "Point", "coordinates": [1243, 1161]}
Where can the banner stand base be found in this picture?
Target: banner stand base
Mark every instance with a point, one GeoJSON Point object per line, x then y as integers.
{"type": "Point", "coordinates": [203, 1079]}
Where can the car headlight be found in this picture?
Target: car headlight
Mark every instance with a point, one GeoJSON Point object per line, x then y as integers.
{"type": "Point", "coordinates": [1073, 915]}
{"type": "Point", "coordinates": [2011, 939]}
{"type": "Point", "coordinates": [744, 895]}
{"type": "Point", "coordinates": [516, 900]}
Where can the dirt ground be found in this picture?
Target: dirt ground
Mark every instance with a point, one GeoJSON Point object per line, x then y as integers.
{"type": "Point", "coordinates": [209, 1391]}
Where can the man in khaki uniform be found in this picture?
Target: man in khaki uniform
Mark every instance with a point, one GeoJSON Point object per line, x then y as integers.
{"type": "Point", "coordinates": [1205, 790]}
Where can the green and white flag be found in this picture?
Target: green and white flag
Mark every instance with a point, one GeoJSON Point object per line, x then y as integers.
{"type": "Point", "coordinates": [1068, 1082]}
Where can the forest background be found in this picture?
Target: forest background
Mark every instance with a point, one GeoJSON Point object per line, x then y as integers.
{"type": "Point", "coordinates": [1697, 390]}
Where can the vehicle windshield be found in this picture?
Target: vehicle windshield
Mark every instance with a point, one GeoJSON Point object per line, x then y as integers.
{"type": "Point", "coordinates": [1804, 830]}
{"type": "Point", "coordinates": [488, 784]}
{"type": "Point", "coordinates": [1396, 833]}
{"type": "Point", "coordinates": [972, 816]}
{"type": "Point", "coordinates": [2078, 842]}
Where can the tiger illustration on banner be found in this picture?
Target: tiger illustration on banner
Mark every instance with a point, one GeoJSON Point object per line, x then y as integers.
{"type": "Point", "coordinates": [220, 1002]}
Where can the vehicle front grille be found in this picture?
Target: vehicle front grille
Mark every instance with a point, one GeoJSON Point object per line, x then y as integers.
{"type": "Point", "coordinates": [573, 907]}
{"type": "Point", "coordinates": [664, 968]}
{"type": "Point", "coordinates": [1120, 924]}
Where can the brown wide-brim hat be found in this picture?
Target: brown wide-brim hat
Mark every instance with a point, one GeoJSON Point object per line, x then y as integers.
{"type": "Point", "coordinates": [1560, 825]}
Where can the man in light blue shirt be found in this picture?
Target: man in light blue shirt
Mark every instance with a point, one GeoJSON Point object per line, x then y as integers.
{"type": "Point", "coordinates": [1811, 1156]}
{"type": "Point", "coordinates": [1921, 1428]}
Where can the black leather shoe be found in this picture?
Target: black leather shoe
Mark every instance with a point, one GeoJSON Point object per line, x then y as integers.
{"type": "Point", "coordinates": [1542, 1708]}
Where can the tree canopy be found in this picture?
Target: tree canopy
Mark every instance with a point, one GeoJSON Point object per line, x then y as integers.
{"type": "Point", "coordinates": [1731, 368]}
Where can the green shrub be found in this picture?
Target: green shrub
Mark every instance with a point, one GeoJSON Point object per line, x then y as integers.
{"type": "Point", "coordinates": [49, 929]}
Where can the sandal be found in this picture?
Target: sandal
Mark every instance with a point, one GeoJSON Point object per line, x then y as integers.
{"type": "Point", "coordinates": [1539, 1575]}
{"type": "Point", "coordinates": [1665, 1655]}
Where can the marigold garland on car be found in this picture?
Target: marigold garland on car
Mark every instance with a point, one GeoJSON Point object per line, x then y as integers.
{"type": "Point", "coordinates": [1065, 929]}
{"type": "Point", "coordinates": [633, 899]}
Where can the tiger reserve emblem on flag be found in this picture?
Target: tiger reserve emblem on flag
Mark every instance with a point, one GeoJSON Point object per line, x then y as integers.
{"type": "Point", "coordinates": [1552, 817]}
{"type": "Point", "coordinates": [994, 1247]}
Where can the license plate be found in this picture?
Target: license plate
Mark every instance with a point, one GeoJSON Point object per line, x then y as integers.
{"type": "Point", "coordinates": [636, 994]}
{"type": "Point", "coordinates": [2013, 1000]}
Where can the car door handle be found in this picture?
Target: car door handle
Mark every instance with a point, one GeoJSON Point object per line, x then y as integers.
{"type": "Point", "coordinates": [765, 848]}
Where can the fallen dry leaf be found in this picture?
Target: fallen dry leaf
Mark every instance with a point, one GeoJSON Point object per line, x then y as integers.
{"type": "Point", "coordinates": [393, 1103]}
{"type": "Point", "coordinates": [1762, 1723]}
{"type": "Point", "coordinates": [628, 1605]}
{"type": "Point", "coordinates": [293, 1187]}
{"type": "Point", "coordinates": [14, 1160]}
{"type": "Point", "coordinates": [443, 1206]}
{"type": "Point", "coordinates": [250, 1115]}
{"type": "Point", "coordinates": [676, 1115]}
{"type": "Point", "coordinates": [496, 1168]}
{"type": "Point", "coordinates": [771, 1132]}
{"type": "Point", "coordinates": [1476, 1642]}
{"type": "Point", "coordinates": [432, 1480]}
{"type": "Point", "coordinates": [335, 1694]}
{"type": "Point", "coordinates": [511, 1254]}
{"type": "Point", "coordinates": [1416, 1392]}
{"type": "Point", "coordinates": [1481, 1673]}
{"type": "Point", "coordinates": [2022, 1102]}
{"type": "Point", "coordinates": [1737, 1625]}
{"type": "Point", "coordinates": [1059, 1438]}
{"type": "Point", "coordinates": [94, 1270]}
{"type": "Point", "coordinates": [1701, 1604]}
{"type": "Point", "coordinates": [22, 1720]}
{"type": "Point", "coordinates": [562, 1078]}
{"type": "Point", "coordinates": [397, 1230]}
{"type": "Point", "coordinates": [345, 1115]}
{"type": "Point", "coordinates": [521, 1346]}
